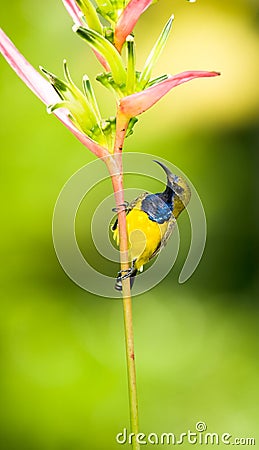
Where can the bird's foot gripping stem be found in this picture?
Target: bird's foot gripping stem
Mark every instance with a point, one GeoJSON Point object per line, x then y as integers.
{"type": "Point", "coordinates": [120, 208]}
{"type": "Point", "coordinates": [122, 275]}
{"type": "Point", "coordinates": [127, 273]}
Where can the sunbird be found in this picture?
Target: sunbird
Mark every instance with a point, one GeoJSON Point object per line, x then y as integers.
{"type": "Point", "coordinates": [150, 222]}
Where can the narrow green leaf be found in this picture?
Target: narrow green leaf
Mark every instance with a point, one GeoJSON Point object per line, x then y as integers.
{"type": "Point", "coordinates": [90, 14]}
{"type": "Point", "coordinates": [107, 50]}
{"type": "Point", "coordinates": [91, 97]}
{"type": "Point", "coordinates": [67, 73]}
{"type": "Point", "coordinates": [132, 122]}
{"type": "Point", "coordinates": [73, 99]}
{"type": "Point", "coordinates": [155, 53]}
{"type": "Point", "coordinates": [157, 80]}
{"type": "Point", "coordinates": [131, 59]}
{"type": "Point", "coordinates": [59, 85]}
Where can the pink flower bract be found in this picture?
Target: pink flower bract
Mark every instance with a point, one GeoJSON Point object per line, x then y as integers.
{"type": "Point", "coordinates": [74, 11]}
{"type": "Point", "coordinates": [136, 104]}
{"type": "Point", "coordinates": [44, 91]}
{"type": "Point", "coordinates": [128, 20]}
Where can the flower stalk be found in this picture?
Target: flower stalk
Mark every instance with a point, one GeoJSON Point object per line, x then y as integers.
{"type": "Point", "coordinates": [117, 182]}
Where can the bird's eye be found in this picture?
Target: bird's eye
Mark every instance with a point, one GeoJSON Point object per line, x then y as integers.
{"type": "Point", "coordinates": [178, 189]}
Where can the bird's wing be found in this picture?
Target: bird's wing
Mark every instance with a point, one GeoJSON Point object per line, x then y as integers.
{"type": "Point", "coordinates": [130, 207]}
{"type": "Point", "coordinates": [164, 240]}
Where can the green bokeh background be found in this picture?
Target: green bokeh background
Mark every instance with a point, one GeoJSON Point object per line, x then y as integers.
{"type": "Point", "coordinates": [63, 376]}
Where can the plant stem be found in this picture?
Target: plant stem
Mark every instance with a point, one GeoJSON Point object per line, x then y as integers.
{"type": "Point", "coordinates": [117, 181]}
{"type": "Point", "coordinates": [116, 170]}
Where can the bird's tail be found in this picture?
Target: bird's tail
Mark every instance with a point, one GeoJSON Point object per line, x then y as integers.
{"type": "Point", "coordinates": [118, 284]}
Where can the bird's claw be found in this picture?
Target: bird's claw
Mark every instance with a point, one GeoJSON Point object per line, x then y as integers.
{"type": "Point", "coordinates": [127, 273]}
{"type": "Point", "coordinates": [120, 208]}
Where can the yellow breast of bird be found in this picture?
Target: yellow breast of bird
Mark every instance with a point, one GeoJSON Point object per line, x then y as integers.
{"type": "Point", "coordinates": [144, 236]}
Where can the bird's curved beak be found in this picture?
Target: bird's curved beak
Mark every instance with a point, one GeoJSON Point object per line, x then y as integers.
{"type": "Point", "coordinates": [171, 178]}
{"type": "Point", "coordinates": [178, 184]}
